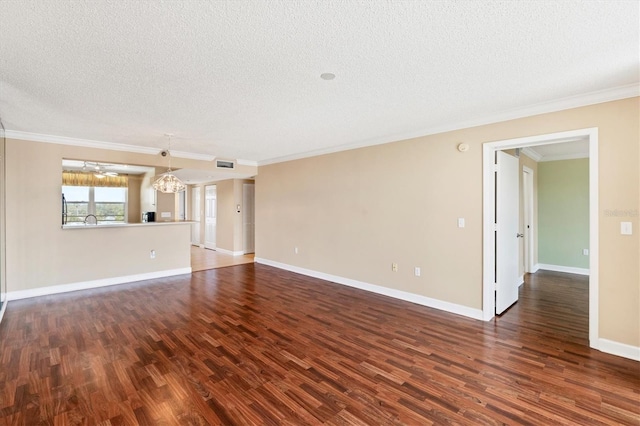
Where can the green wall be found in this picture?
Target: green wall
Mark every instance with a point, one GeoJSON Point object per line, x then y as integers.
{"type": "Point", "coordinates": [563, 212]}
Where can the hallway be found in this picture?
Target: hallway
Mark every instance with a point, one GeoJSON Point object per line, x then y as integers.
{"type": "Point", "coordinates": [203, 259]}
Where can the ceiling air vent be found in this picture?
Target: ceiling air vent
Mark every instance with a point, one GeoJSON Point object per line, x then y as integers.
{"type": "Point", "coordinates": [221, 164]}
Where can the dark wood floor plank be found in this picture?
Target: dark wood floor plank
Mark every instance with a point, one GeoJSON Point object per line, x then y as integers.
{"type": "Point", "coordinates": [252, 344]}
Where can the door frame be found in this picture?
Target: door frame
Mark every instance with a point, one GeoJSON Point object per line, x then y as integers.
{"type": "Point", "coordinates": [527, 207]}
{"type": "Point", "coordinates": [488, 203]}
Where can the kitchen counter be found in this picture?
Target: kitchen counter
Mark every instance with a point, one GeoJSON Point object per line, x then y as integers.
{"type": "Point", "coordinates": [128, 225]}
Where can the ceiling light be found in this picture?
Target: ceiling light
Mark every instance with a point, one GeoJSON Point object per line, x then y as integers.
{"type": "Point", "coordinates": [327, 76]}
{"type": "Point", "coordinates": [168, 183]}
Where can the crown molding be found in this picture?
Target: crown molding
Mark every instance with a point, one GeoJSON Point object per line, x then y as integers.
{"type": "Point", "coordinates": [531, 153]}
{"type": "Point", "coordinates": [247, 163]}
{"type": "Point", "coordinates": [563, 157]}
{"type": "Point", "coordinates": [112, 146]}
{"type": "Point", "coordinates": [63, 140]}
{"type": "Point", "coordinates": [591, 98]}
{"type": "Point", "coordinates": [192, 155]}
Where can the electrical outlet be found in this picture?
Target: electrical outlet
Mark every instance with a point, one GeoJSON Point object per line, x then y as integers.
{"type": "Point", "coordinates": [394, 267]}
{"type": "Point", "coordinates": [295, 250]}
{"type": "Point", "coordinates": [585, 252]}
{"type": "Point", "coordinates": [626, 228]}
{"type": "Point", "coordinates": [152, 254]}
{"type": "Point", "coordinates": [416, 271]}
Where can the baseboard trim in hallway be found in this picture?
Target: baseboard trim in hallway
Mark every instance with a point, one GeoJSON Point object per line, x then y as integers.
{"type": "Point", "coordinates": [203, 259]}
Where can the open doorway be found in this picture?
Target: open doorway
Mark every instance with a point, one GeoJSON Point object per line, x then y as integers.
{"type": "Point", "coordinates": [489, 214]}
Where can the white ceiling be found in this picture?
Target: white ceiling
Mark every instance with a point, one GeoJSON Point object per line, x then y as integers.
{"type": "Point", "coordinates": [241, 79]}
{"type": "Point", "coordinates": [559, 151]}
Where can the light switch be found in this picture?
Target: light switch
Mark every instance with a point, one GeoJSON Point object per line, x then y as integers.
{"type": "Point", "coordinates": [626, 228]}
{"type": "Point", "coordinates": [461, 222]}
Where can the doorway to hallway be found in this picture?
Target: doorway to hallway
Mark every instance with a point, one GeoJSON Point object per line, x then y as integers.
{"type": "Point", "coordinates": [203, 259]}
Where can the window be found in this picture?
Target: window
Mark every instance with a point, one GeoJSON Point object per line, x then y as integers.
{"type": "Point", "coordinates": [109, 205]}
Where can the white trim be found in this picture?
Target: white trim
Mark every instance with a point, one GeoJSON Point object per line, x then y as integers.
{"type": "Point", "coordinates": [561, 157]}
{"type": "Point", "coordinates": [63, 140]}
{"type": "Point", "coordinates": [616, 93]}
{"type": "Point", "coordinates": [536, 267]}
{"type": "Point", "coordinates": [232, 253]}
{"type": "Point", "coordinates": [567, 269]}
{"type": "Point", "coordinates": [531, 153]}
{"type": "Point", "coordinates": [619, 349]}
{"type": "Point", "coordinates": [396, 294]}
{"type": "Point", "coordinates": [113, 146]}
{"type": "Point", "coordinates": [251, 163]}
{"type": "Point", "coordinates": [192, 155]}
{"type": "Point", "coordinates": [63, 288]}
{"type": "Point", "coordinates": [3, 309]}
{"type": "Point", "coordinates": [488, 242]}
{"type": "Point", "coordinates": [520, 280]}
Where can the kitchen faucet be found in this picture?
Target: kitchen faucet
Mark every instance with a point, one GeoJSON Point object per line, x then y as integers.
{"type": "Point", "coordinates": [86, 218]}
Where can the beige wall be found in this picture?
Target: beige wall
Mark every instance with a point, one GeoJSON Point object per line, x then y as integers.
{"type": "Point", "coordinates": [226, 215]}
{"type": "Point", "coordinates": [166, 203]}
{"type": "Point", "coordinates": [353, 213]}
{"type": "Point", "coordinates": [134, 204]}
{"type": "Point", "coordinates": [41, 254]}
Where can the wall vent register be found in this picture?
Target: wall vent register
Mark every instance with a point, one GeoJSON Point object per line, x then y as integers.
{"type": "Point", "coordinates": [221, 164]}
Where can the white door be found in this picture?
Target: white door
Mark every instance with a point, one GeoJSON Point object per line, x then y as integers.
{"type": "Point", "coordinates": [195, 215]}
{"type": "Point", "coordinates": [248, 218]}
{"type": "Point", "coordinates": [507, 209]}
{"type": "Point", "coordinates": [210, 216]}
{"type": "Point", "coordinates": [182, 205]}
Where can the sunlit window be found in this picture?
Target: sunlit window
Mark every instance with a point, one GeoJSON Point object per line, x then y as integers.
{"type": "Point", "coordinates": [108, 205]}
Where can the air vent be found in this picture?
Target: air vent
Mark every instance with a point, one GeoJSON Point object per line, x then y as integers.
{"type": "Point", "coordinates": [221, 164]}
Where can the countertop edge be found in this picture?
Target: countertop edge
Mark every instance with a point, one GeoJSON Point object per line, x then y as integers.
{"type": "Point", "coordinates": [128, 225]}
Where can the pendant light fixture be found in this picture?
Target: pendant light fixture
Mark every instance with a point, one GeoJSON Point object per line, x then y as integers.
{"type": "Point", "coordinates": [168, 183]}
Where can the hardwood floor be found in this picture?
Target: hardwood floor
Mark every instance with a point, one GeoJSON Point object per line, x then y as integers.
{"type": "Point", "coordinates": [203, 259]}
{"type": "Point", "coordinates": [251, 344]}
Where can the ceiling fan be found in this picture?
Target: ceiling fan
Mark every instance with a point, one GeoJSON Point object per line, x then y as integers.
{"type": "Point", "coordinates": [99, 170]}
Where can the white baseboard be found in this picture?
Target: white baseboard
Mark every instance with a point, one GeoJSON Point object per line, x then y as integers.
{"type": "Point", "coordinates": [197, 245]}
{"type": "Point", "coordinates": [520, 280]}
{"type": "Point", "coordinates": [3, 309]}
{"type": "Point", "coordinates": [535, 268]}
{"type": "Point", "coordinates": [619, 349]}
{"type": "Point", "coordinates": [397, 294]}
{"type": "Point", "coordinates": [63, 288]}
{"type": "Point", "coordinates": [558, 268]}
{"type": "Point", "coordinates": [232, 253]}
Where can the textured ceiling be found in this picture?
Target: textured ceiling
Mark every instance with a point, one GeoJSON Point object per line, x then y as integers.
{"type": "Point", "coordinates": [241, 79]}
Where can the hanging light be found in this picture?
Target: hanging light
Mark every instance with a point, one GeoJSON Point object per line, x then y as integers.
{"type": "Point", "coordinates": [168, 183]}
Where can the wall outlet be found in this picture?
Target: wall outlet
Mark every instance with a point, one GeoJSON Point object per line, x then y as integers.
{"type": "Point", "coordinates": [295, 250]}
{"type": "Point", "coordinates": [152, 254]}
{"type": "Point", "coordinates": [416, 271]}
{"type": "Point", "coordinates": [585, 252]}
{"type": "Point", "coordinates": [394, 267]}
{"type": "Point", "coordinates": [626, 228]}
